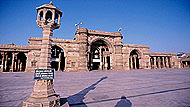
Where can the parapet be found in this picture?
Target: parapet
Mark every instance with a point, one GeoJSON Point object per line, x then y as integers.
{"type": "Point", "coordinates": [136, 46]}
{"type": "Point", "coordinates": [96, 32]}
{"type": "Point", "coordinates": [162, 54]}
{"type": "Point", "coordinates": [12, 47]}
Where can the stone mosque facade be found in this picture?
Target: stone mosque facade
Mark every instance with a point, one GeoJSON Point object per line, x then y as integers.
{"type": "Point", "coordinates": [89, 50]}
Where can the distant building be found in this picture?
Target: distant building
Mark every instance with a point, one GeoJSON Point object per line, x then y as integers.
{"type": "Point", "coordinates": [90, 50]}
{"type": "Point", "coordinates": [184, 59]}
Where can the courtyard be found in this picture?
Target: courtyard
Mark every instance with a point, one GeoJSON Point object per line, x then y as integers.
{"type": "Point", "coordinates": [136, 88]}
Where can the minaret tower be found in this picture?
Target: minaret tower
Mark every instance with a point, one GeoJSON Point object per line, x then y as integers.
{"type": "Point", "coordinates": [43, 95]}
{"type": "Point", "coordinates": [48, 19]}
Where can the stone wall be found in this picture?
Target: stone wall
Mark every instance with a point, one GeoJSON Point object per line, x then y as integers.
{"type": "Point", "coordinates": [77, 52]}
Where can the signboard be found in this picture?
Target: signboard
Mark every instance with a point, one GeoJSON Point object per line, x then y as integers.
{"type": "Point", "coordinates": [96, 60]}
{"type": "Point", "coordinates": [44, 74]}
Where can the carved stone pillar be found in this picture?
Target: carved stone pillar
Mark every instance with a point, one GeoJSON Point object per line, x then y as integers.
{"type": "Point", "coordinates": [2, 63]}
{"type": "Point", "coordinates": [169, 64]}
{"type": "Point", "coordinates": [45, 49]}
{"type": "Point", "coordinates": [13, 60]}
{"type": "Point", "coordinates": [131, 63]}
{"type": "Point", "coordinates": [103, 63]}
{"type": "Point", "coordinates": [158, 62]}
{"type": "Point", "coordinates": [18, 65]}
{"type": "Point", "coordinates": [100, 67]}
{"type": "Point", "coordinates": [15, 67]}
{"type": "Point", "coordinates": [59, 64]}
{"type": "Point", "coordinates": [135, 61]}
{"type": "Point", "coordinates": [166, 62]}
{"type": "Point", "coordinates": [155, 66]}
{"type": "Point", "coordinates": [106, 63]}
{"type": "Point", "coordinates": [6, 59]}
{"type": "Point", "coordinates": [43, 94]}
{"type": "Point", "coordinates": [152, 63]}
{"type": "Point", "coordinates": [21, 66]}
{"type": "Point", "coordinates": [163, 63]}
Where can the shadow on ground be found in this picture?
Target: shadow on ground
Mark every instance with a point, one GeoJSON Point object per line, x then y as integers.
{"type": "Point", "coordinates": [77, 99]}
{"type": "Point", "coordinates": [124, 102]}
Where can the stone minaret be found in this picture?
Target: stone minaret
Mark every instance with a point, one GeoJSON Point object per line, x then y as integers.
{"type": "Point", "coordinates": [43, 94]}
{"type": "Point", "coordinates": [48, 19]}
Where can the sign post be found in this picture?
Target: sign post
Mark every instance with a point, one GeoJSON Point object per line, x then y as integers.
{"type": "Point", "coordinates": [44, 74]}
{"type": "Point", "coordinates": [43, 94]}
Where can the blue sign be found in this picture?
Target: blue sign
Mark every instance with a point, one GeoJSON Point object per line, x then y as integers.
{"type": "Point", "coordinates": [44, 74]}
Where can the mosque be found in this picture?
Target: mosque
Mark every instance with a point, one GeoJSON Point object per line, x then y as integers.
{"type": "Point", "coordinates": [89, 50]}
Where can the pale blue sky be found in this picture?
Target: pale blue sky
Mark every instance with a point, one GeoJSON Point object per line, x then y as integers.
{"type": "Point", "coordinates": [164, 25]}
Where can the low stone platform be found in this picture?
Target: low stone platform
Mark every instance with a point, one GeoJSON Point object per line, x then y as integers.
{"type": "Point", "coordinates": [137, 88]}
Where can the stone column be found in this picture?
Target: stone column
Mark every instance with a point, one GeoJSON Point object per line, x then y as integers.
{"type": "Point", "coordinates": [13, 60]}
{"type": "Point", "coordinates": [43, 93]}
{"type": "Point", "coordinates": [103, 63]}
{"type": "Point", "coordinates": [151, 62]}
{"type": "Point", "coordinates": [100, 67]}
{"type": "Point", "coordinates": [6, 58]}
{"type": "Point", "coordinates": [158, 60]}
{"type": "Point", "coordinates": [135, 61]}
{"type": "Point", "coordinates": [163, 62]}
{"type": "Point", "coordinates": [2, 63]}
{"type": "Point", "coordinates": [18, 64]}
{"type": "Point", "coordinates": [46, 49]}
{"type": "Point", "coordinates": [155, 66]}
{"type": "Point", "coordinates": [58, 18]}
{"type": "Point", "coordinates": [166, 60]}
{"type": "Point", "coordinates": [59, 65]}
{"type": "Point", "coordinates": [130, 62]}
{"type": "Point", "coordinates": [53, 15]}
{"type": "Point", "coordinates": [15, 67]}
{"type": "Point", "coordinates": [169, 64]}
{"type": "Point", "coordinates": [106, 63]}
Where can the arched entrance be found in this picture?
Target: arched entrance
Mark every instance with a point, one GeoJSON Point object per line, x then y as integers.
{"type": "Point", "coordinates": [99, 56]}
{"type": "Point", "coordinates": [134, 60]}
{"type": "Point", "coordinates": [20, 63]}
{"type": "Point", "coordinates": [57, 58]}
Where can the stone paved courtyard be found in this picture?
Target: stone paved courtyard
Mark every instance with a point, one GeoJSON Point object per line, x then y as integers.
{"type": "Point", "coordinates": [136, 88]}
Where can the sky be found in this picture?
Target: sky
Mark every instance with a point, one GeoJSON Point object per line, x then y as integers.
{"type": "Point", "coordinates": [163, 25]}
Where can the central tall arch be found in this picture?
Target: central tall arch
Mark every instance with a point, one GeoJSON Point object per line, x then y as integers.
{"type": "Point", "coordinates": [57, 58]}
{"type": "Point", "coordinates": [99, 56]}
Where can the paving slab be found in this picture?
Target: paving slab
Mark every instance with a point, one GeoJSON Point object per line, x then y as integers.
{"type": "Point", "coordinates": [136, 88]}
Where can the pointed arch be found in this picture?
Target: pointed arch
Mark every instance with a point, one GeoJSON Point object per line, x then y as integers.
{"type": "Point", "coordinates": [105, 41]}
{"type": "Point", "coordinates": [134, 57]}
{"type": "Point", "coordinates": [99, 56]}
{"type": "Point", "coordinates": [57, 58]}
